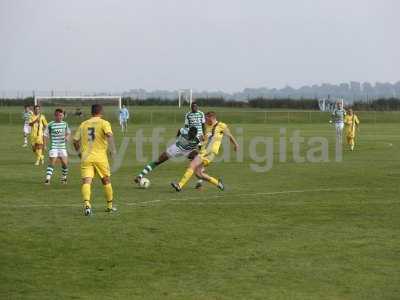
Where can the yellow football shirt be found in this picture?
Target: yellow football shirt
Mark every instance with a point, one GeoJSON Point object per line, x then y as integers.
{"type": "Point", "coordinates": [213, 137]}
{"type": "Point", "coordinates": [351, 122]}
{"type": "Point", "coordinates": [38, 127]}
{"type": "Point", "coordinates": [93, 139]}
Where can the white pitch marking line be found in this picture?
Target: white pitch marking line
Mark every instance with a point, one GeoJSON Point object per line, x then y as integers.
{"type": "Point", "coordinates": [191, 198]}
{"type": "Point", "coordinates": [242, 195]}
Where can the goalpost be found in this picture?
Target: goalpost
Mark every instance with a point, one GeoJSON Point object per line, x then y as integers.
{"type": "Point", "coordinates": [78, 100]}
{"type": "Point", "coordinates": [328, 105]}
{"type": "Point", "coordinates": [185, 95]}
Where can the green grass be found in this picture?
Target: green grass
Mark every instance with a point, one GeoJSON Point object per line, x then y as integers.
{"type": "Point", "coordinates": [160, 115]}
{"type": "Point", "coordinates": [300, 231]}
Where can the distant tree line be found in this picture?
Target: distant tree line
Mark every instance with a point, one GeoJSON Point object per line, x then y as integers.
{"type": "Point", "coordinates": [383, 104]}
{"type": "Point", "coordinates": [379, 104]}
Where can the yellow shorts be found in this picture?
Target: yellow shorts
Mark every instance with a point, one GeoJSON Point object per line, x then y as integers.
{"type": "Point", "coordinates": [207, 158]}
{"type": "Point", "coordinates": [89, 168]}
{"type": "Point", "coordinates": [36, 140]}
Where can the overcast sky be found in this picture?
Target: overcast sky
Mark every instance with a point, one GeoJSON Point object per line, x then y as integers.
{"type": "Point", "coordinates": [228, 45]}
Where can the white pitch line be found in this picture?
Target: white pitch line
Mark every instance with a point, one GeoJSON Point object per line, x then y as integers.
{"type": "Point", "coordinates": [222, 195]}
{"type": "Point", "coordinates": [242, 195]}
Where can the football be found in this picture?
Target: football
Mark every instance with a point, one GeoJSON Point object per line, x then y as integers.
{"type": "Point", "coordinates": [144, 183]}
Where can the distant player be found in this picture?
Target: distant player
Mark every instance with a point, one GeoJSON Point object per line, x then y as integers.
{"type": "Point", "coordinates": [214, 133]}
{"type": "Point", "coordinates": [195, 118]}
{"type": "Point", "coordinates": [337, 118]}
{"type": "Point", "coordinates": [352, 122]}
{"type": "Point", "coordinates": [57, 135]}
{"type": "Point", "coordinates": [38, 125]}
{"type": "Point", "coordinates": [123, 118]}
{"type": "Point", "coordinates": [91, 141]}
{"type": "Point", "coordinates": [186, 145]}
{"type": "Point", "coordinates": [27, 129]}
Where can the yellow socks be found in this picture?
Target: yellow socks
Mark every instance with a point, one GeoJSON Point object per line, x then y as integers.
{"type": "Point", "coordinates": [213, 181]}
{"type": "Point", "coordinates": [39, 153]}
{"type": "Point", "coordinates": [186, 177]}
{"type": "Point", "coordinates": [109, 194]}
{"type": "Point", "coordinates": [85, 189]}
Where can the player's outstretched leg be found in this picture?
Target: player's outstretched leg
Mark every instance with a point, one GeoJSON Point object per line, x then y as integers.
{"type": "Point", "coordinates": [194, 164]}
{"type": "Point", "coordinates": [217, 182]}
{"type": "Point", "coordinates": [151, 166]}
{"type": "Point", "coordinates": [146, 170]}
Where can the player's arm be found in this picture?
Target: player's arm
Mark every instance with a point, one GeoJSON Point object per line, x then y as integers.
{"type": "Point", "coordinates": [67, 134]}
{"type": "Point", "coordinates": [111, 143]}
{"type": "Point", "coordinates": [46, 137]}
{"type": "Point", "coordinates": [127, 114]}
{"type": "Point", "coordinates": [232, 139]}
{"type": "Point", "coordinates": [332, 117]}
{"type": "Point", "coordinates": [186, 120]}
{"type": "Point", "coordinates": [77, 141]}
{"type": "Point", "coordinates": [110, 138]}
{"type": "Point", "coordinates": [33, 120]}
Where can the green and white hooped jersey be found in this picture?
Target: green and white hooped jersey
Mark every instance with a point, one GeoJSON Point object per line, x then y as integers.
{"type": "Point", "coordinates": [56, 133]}
{"type": "Point", "coordinates": [27, 117]}
{"type": "Point", "coordinates": [183, 142]}
{"type": "Point", "coordinates": [338, 115]}
{"type": "Point", "coordinates": [195, 119]}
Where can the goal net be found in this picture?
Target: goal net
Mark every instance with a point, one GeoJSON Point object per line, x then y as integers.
{"type": "Point", "coordinates": [329, 105]}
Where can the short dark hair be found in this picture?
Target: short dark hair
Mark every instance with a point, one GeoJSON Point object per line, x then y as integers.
{"type": "Point", "coordinates": [26, 105]}
{"type": "Point", "coordinates": [58, 110]}
{"type": "Point", "coordinates": [211, 114]}
{"type": "Point", "coordinates": [193, 129]}
{"type": "Point", "coordinates": [97, 109]}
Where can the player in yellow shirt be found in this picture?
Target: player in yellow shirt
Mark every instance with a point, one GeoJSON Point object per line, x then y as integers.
{"type": "Point", "coordinates": [352, 122]}
{"type": "Point", "coordinates": [38, 125]}
{"type": "Point", "coordinates": [91, 141]}
{"type": "Point", "coordinates": [214, 133]}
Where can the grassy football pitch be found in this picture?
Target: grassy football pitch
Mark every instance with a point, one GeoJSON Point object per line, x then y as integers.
{"type": "Point", "coordinates": [323, 230]}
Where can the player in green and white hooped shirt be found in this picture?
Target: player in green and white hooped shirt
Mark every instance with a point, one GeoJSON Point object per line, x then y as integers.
{"type": "Point", "coordinates": [186, 144]}
{"type": "Point", "coordinates": [338, 119]}
{"type": "Point", "coordinates": [57, 135]}
{"type": "Point", "coordinates": [27, 129]}
{"type": "Point", "coordinates": [196, 118]}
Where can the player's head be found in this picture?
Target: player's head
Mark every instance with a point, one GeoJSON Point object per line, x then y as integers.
{"type": "Point", "coordinates": [350, 111]}
{"type": "Point", "coordinates": [27, 107]}
{"type": "Point", "coordinates": [211, 117]}
{"type": "Point", "coordinates": [194, 107]}
{"type": "Point", "coordinates": [192, 132]}
{"type": "Point", "coordinates": [123, 106]}
{"type": "Point", "coordinates": [97, 109]}
{"type": "Point", "coordinates": [339, 104]}
{"type": "Point", "coordinates": [36, 109]}
{"type": "Point", "coordinates": [58, 114]}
